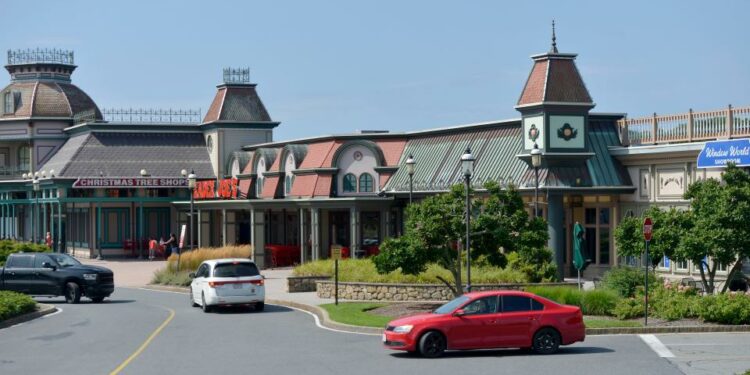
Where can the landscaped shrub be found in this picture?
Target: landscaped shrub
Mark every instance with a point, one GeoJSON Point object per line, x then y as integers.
{"type": "Point", "coordinates": [599, 302]}
{"type": "Point", "coordinates": [14, 304]}
{"type": "Point", "coordinates": [727, 308]}
{"type": "Point", "coordinates": [629, 308]}
{"type": "Point", "coordinates": [168, 277]}
{"type": "Point", "coordinates": [625, 280]}
{"type": "Point", "coordinates": [670, 303]}
{"type": "Point", "coordinates": [8, 247]}
{"type": "Point", "coordinates": [535, 263]}
{"type": "Point", "coordinates": [363, 270]}
{"type": "Point", "coordinates": [190, 260]}
{"type": "Point", "coordinates": [591, 302]}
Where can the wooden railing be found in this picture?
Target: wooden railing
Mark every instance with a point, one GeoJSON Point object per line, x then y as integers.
{"type": "Point", "coordinates": [686, 127]}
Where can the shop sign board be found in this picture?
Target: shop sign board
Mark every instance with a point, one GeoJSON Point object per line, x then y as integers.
{"type": "Point", "coordinates": [124, 183]}
{"type": "Point", "coordinates": [336, 252]}
{"type": "Point", "coordinates": [717, 154]}
{"type": "Point", "coordinates": [228, 189]}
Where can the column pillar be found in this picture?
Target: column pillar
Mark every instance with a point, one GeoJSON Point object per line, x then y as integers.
{"type": "Point", "coordinates": [223, 227]}
{"type": "Point", "coordinates": [353, 232]}
{"type": "Point", "coordinates": [60, 248]}
{"type": "Point", "coordinates": [302, 236]}
{"type": "Point", "coordinates": [140, 235]}
{"type": "Point", "coordinates": [3, 223]}
{"type": "Point", "coordinates": [384, 221]}
{"type": "Point", "coordinates": [44, 220]}
{"type": "Point", "coordinates": [51, 226]}
{"type": "Point", "coordinates": [556, 231]}
{"type": "Point", "coordinates": [315, 232]}
{"type": "Point", "coordinates": [258, 224]}
{"type": "Point", "coordinates": [99, 229]}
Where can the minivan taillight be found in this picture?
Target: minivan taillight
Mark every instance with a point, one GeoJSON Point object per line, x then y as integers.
{"type": "Point", "coordinates": [257, 282]}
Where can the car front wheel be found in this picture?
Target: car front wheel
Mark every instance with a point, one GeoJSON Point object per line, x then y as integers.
{"type": "Point", "coordinates": [546, 341]}
{"type": "Point", "coordinates": [72, 293]}
{"type": "Point", "coordinates": [432, 344]}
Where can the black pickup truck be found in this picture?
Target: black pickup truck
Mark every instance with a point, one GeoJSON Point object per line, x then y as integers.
{"type": "Point", "coordinates": [50, 274]}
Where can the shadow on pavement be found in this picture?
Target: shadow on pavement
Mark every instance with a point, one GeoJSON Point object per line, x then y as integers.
{"type": "Point", "coordinates": [84, 301]}
{"type": "Point", "coordinates": [250, 309]}
{"type": "Point", "coordinates": [510, 353]}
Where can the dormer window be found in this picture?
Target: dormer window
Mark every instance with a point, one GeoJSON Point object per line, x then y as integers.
{"type": "Point", "coordinates": [8, 103]}
{"type": "Point", "coordinates": [350, 183]}
{"type": "Point", "coordinates": [365, 183]}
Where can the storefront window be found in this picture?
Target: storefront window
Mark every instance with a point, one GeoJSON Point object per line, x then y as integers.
{"type": "Point", "coordinates": [370, 228]}
{"type": "Point", "coordinates": [24, 157]}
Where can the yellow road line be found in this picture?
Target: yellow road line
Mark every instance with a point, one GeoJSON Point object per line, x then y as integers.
{"type": "Point", "coordinates": [144, 345]}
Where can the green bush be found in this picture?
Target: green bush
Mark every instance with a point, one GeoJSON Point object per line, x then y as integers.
{"type": "Point", "coordinates": [626, 280]}
{"type": "Point", "coordinates": [629, 308]}
{"type": "Point", "coordinates": [591, 302]}
{"type": "Point", "coordinates": [168, 277]}
{"type": "Point", "coordinates": [725, 308]}
{"type": "Point", "coordinates": [8, 247]}
{"type": "Point", "coordinates": [536, 264]}
{"type": "Point", "coordinates": [363, 270]}
{"type": "Point", "coordinates": [599, 302]}
{"type": "Point", "coordinates": [673, 304]}
{"type": "Point", "coordinates": [14, 304]}
{"type": "Point", "coordinates": [190, 260]}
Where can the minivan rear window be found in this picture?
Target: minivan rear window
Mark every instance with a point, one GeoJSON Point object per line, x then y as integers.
{"type": "Point", "coordinates": [239, 269]}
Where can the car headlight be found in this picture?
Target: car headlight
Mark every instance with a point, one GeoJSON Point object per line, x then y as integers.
{"type": "Point", "coordinates": [89, 276]}
{"type": "Point", "coordinates": [403, 329]}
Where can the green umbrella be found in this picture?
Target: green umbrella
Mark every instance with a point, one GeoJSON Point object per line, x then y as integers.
{"type": "Point", "coordinates": [578, 261]}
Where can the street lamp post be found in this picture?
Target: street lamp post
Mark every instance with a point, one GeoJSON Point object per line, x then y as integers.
{"type": "Point", "coordinates": [467, 166]}
{"type": "Point", "coordinates": [410, 163]}
{"type": "Point", "coordinates": [191, 184]}
{"type": "Point", "coordinates": [536, 162]}
{"type": "Point", "coordinates": [35, 218]}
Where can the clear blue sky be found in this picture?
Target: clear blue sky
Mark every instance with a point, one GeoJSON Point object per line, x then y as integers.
{"type": "Point", "coordinates": [327, 67]}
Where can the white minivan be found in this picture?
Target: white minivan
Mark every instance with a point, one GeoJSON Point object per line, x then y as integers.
{"type": "Point", "coordinates": [224, 282]}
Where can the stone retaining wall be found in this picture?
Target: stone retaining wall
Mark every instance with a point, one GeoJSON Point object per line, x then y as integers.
{"type": "Point", "coordinates": [408, 292]}
{"type": "Point", "coordinates": [299, 284]}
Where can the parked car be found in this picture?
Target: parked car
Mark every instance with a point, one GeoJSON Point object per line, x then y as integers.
{"type": "Point", "coordinates": [225, 282]}
{"type": "Point", "coordinates": [483, 320]}
{"type": "Point", "coordinates": [51, 274]}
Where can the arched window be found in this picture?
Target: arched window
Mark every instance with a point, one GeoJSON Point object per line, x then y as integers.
{"type": "Point", "coordinates": [24, 158]}
{"type": "Point", "coordinates": [259, 186]}
{"type": "Point", "coordinates": [288, 184]}
{"type": "Point", "coordinates": [350, 183]}
{"type": "Point", "coordinates": [365, 183]}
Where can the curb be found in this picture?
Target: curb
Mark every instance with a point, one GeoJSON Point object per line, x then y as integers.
{"type": "Point", "coordinates": [326, 321]}
{"type": "Point", "coordinates": [42, 309]}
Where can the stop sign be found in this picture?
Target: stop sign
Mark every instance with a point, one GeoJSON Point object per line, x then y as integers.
{"type": "Point", "coordinates": [647, 226]}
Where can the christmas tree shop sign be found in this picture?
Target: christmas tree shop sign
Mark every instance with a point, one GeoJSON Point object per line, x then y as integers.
{"type": "Point", "coordinates": [119, 183]}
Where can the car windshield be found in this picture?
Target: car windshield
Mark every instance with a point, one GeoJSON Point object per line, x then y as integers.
{"type": "Point", "coordinates": [450, 306]}
{"type": "Point", "coordinates": [64, 260]}
{"type": "Point", "coordinates": [236, 269]}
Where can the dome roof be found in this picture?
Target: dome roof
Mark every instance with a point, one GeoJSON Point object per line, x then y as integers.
{"type": "Point", "coordinates": [47, 99]}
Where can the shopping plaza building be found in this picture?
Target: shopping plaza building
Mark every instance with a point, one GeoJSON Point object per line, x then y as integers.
{"type": "Point", "coordinates": [103, 181]}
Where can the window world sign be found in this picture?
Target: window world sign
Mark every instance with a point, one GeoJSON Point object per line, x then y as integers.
{"type": "Point", "coordinates": [717, 154]}
{"type": "Point", "coordinates": [118, 183]}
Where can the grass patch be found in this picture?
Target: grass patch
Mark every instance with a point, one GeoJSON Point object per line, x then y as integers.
{"type": "Point", "coordinates": [363, 270]}
{"type": "Point", "coordinates": [610, 323]}
{"type": "Point", "coordinates": [356, 314]}
{"type": "Point", "coordinates": [13, 304]}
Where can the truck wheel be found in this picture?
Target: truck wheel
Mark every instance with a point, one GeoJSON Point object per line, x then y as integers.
{"type": "Point", "coordinates": [97, 299]}
{"type": "Point", "coordinates": [72, 293]}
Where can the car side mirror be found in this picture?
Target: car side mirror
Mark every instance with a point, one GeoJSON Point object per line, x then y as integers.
{"type": "Point", "coordinates": [459, 312]}
{"type": "Point", "coordinates": [191, 275]}
{"type": "Point", "coordinates": [48, 265]}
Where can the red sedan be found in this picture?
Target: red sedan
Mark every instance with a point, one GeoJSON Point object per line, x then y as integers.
{"type": "Point", "coordinates": [483, 320]}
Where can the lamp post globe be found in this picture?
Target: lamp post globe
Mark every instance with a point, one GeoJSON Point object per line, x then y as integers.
{"type": "Point", "coordinates": [467, 167]}
{"type": "Point", "coordinates": [410, 164]}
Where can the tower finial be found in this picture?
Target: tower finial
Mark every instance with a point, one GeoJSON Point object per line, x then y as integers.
{"type": "Point", "coordinates": [554, 39]}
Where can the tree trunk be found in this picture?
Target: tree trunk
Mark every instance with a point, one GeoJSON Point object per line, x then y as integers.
{"type": "Point", "coordinates": [703, 277]}
{"type": "Point", "coordinates": [456, 292]}
{"type": "Point", "coordinates": [737, 266]}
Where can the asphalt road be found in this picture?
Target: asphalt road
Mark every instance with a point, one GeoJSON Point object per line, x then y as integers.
{"type": "Point", "coordinates": [102, 338]}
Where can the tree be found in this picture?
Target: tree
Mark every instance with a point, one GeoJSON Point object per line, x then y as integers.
{"type": "Point", "coordinates": [719, 216]}
{"type": "Point", "coordinates": [436, 230]}
{"type": "Point", "coordinates": [665, 234]}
